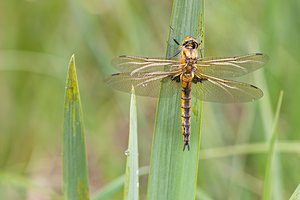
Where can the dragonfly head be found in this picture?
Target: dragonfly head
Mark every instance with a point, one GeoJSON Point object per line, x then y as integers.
{"type": "Point", "coordinates": [190, 43]}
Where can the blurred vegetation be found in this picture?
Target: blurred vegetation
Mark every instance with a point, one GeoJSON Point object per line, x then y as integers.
{"type": "Point", "coordinates": [37, 39]}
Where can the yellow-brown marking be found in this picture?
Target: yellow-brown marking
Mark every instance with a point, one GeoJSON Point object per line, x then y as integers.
{"type": "Point", "coordinates": [189, 58]}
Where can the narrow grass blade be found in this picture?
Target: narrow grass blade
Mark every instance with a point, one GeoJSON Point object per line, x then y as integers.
{"type": "Point", "coordinates": [115, 185]}
{"type": "Point", "coordinates": [173, 173]}
{"type": "Point", "coordinates": [110, 189]}
{"type": "Point", "coordinates": [267, 182]}
{"type": "Point", "coordinates": [75, 173]}
{"type": "Point", "coordinates": [131, 188]}
{"type": "Point", "coordinates": [19, 181]}
{"type": "Point", "coordinates": [296, 194]}
{"type": "Point", "coordinates": [253, 148]}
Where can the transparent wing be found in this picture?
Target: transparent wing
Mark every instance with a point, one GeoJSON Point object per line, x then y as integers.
{"type": "Point", "coordinates": [145, 84]}
{"type": "Point", "coordinates": [134, 64]}
{"type": "Point", "coordinates": [232, 66]}
{"type": "Point", "coordinates": [215, 89]}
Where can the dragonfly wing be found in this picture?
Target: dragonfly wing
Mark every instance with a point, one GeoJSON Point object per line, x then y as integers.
{"type": "Point", "coordinates": [136, 64]}
{"type": "Point", "coordinates": [215, 89]}
{"type": "Point", "coordinates": [145, 84]}
{"type": "Point", "coordinates": [231, 66]}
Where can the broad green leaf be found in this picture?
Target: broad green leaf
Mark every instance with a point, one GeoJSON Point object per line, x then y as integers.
{"type": "Point", "coordinates": [267, 182]}
{"type": "Point", "coordinates": [131, 187]}
{"type": "Point", "coordinates": [296, 194]}
{"type": "Point", "coordinates": [173, 173]}
{"type": "Point", "coordinates": [75, 173]}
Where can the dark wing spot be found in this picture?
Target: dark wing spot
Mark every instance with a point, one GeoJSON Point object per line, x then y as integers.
{"type": "Point", "coordinates": [115, 74]}
{"type": "Point", "coordinates": [254, 86]}
{"type": "Point", "coordinates": [258, 54]}
{"type": "Point", "coordinates": [122, 56]}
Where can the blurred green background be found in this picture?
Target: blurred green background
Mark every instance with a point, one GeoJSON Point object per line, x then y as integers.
{"type": "Point", "coordinates": [37, 39]}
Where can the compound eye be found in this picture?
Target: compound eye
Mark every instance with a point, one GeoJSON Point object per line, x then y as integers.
{"type": "Point", "coordinates": [185, 43]}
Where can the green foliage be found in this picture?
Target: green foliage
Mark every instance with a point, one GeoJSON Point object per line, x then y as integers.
{"type": "Point", "coordinates": [115, 185]}
{"type": "Point", "coordinates": [173, 173]}
{"type": "Point", "coordinates": [131, 187]}
{"type": "Point", "coordinates": [75, 174]}
{"type": "Point", "coordinates": [267, 183]}
{"type": "Point", "coordinates": [18, 181]}
{"type": "Point", "coordinates": [36, 37]}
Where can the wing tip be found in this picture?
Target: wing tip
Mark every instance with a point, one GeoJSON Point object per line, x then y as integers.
{"type": "Point", "coordinates": [116, 60]}
{"type": "Point", "coordinates": [265, 56]}
{"type": "Point", "coordinates": [259, 91]}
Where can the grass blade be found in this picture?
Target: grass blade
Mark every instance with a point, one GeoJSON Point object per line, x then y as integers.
{"type": "Point", "coordinates": [20, 181]}
{"type": "Point", "coordinates": [173, 173]}
{"type": "Point", "coordinates": [267, 182]}
{"type": "Point", "coordinates": [131, 188]}
{"type": "Point", "coordinates": [75, 173]}
{"type": "Point", "coordinates": [296, 194]}
{"type": "Point", "coordinates": [110, 189]}
{"type": "Point", "coordinates": [115, 185]}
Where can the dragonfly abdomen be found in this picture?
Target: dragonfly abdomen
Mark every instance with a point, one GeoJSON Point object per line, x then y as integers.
{"type": "Point", "coordinates": [186, 110]}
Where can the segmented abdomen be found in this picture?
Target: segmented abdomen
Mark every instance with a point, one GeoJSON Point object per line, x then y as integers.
{"type": "Point", "coordinates": [186, 110]}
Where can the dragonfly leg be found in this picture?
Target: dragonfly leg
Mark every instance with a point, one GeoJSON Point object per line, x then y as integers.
{"type": "Point", "coordinates": [197, 79]}
{"type": "Point", "coordinates": [175, 78]}
{"type": "Point", "coordinates": [200, 36]}
{"type": "Point", "coordinates": [169, 48]}
{"type": "Point", "coordinates": [172, 30]}
{"type": "Point", "coordinates": [178, 52]}
{"type": "Point", "coordinates": [200, 50]}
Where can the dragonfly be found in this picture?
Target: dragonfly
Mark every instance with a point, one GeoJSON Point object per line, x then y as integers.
{"type": "Point", "coordinates": [204, 78]}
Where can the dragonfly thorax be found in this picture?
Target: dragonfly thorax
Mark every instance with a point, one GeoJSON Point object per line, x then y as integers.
{"type": "Point", "coordinates": [187, 76]}
{"type": "Point", "coordinates": [189, 56]}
